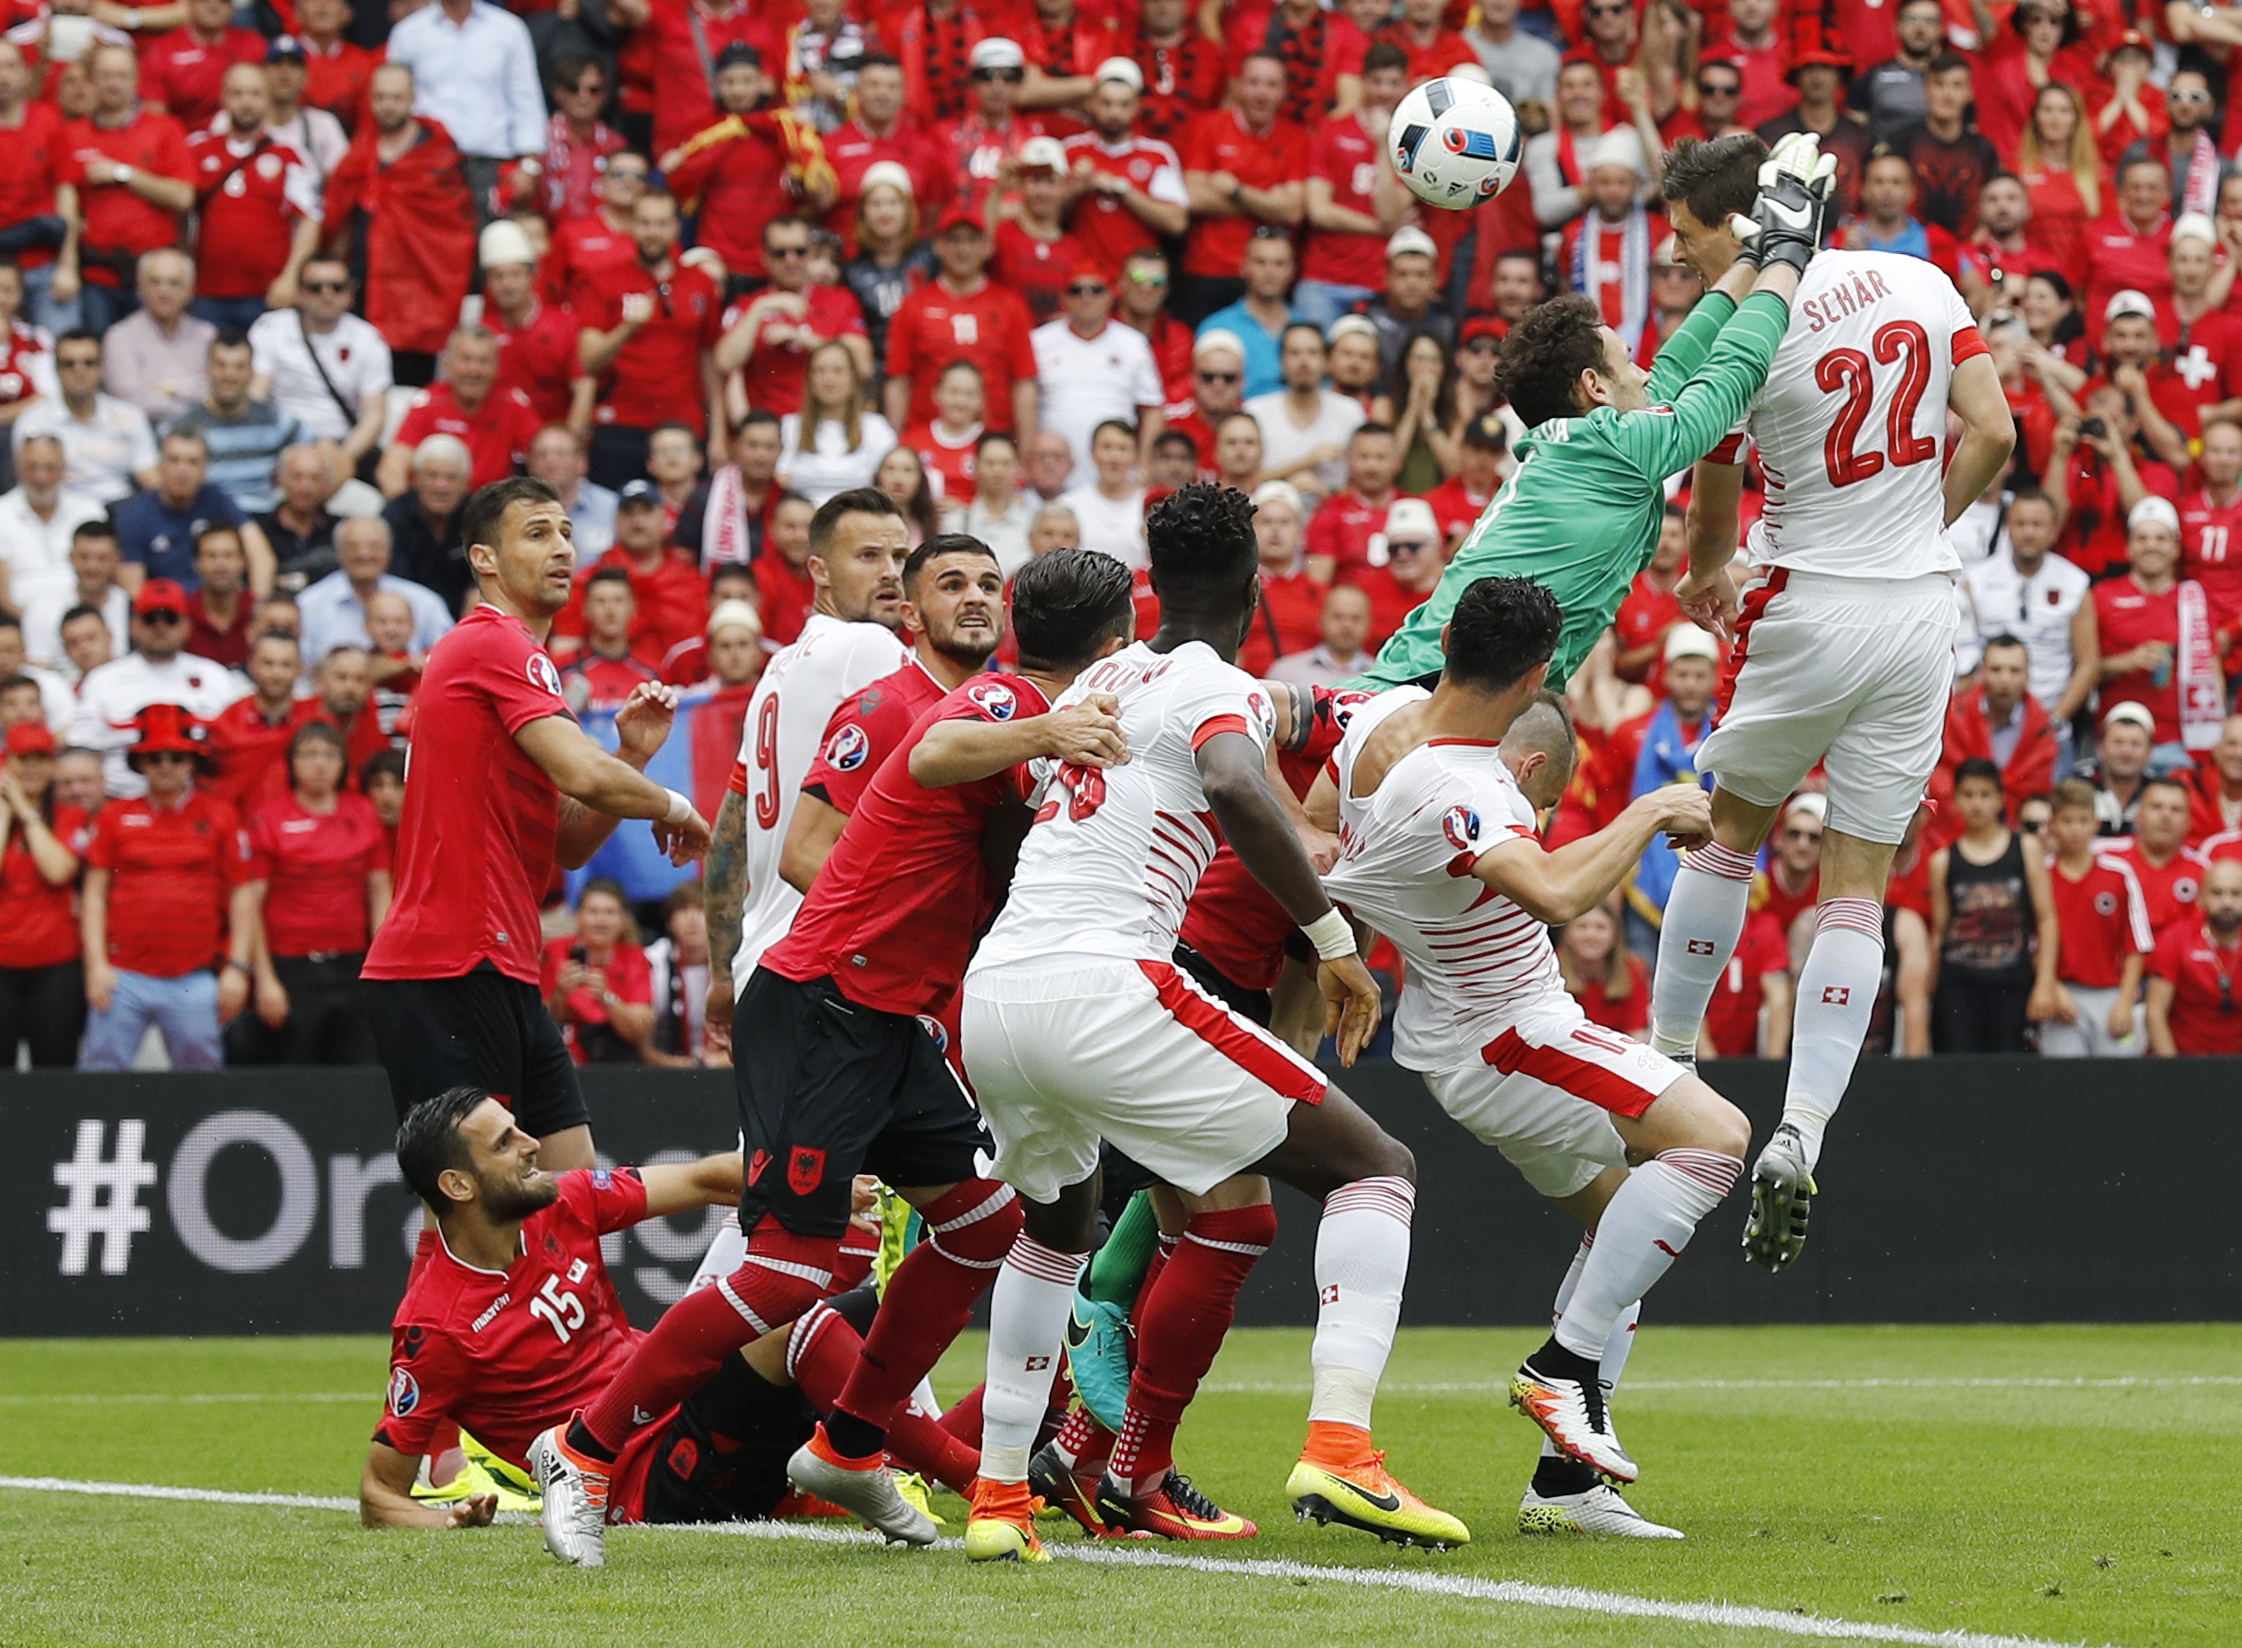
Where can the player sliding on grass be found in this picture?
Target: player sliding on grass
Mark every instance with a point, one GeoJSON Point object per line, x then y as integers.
{"type": "Point", "coordinates": [1844, 647]}
{"type": "Point", "coordinates": [1078, 1025]}
{"type": "Point", "coordinates": [1441, 857]}
{"type": "Point", "coordinates": [1581, 516]}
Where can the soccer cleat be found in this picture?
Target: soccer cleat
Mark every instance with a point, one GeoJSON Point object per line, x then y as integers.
{"type": "Point", "coordinates": [1064, 1487]}
{"type": "Point", "coordinates": [1600, 1510]}
{"type": "Point", "coordinates": [1559, 1391]}
{"type": "Point", "coordinates": [917, 1495]}
{"type": "Point", "coordinates": [1782, 1194]}
{"type": "Point", "coordinates": [865, 1486]}
{"type": "Point", "coordinates": [480, 1472]}
{"type": "Point", "coordinates": [1363, 1494]}
{"type": "Point", "coordinates": [1001, 1525]}
{"type": "Point", "coordinates": [574, 1512]}
{"type": "Point", "coordinates": [1099, 1342]}
{"type": "Point", "coordinates": [1173, 1510]}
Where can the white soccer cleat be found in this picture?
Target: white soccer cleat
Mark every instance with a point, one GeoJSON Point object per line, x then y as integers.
{"type": "Point", "coordinates": [1782, 1195]}
{"type": "Point", "coordinates": [871, 1493]}
{"type": "Point", "coordinates": [1568, 1404]}
{"type": "Point", "coordinates": [574, 1511]}
{"type": "Point", "coordinates": [1599, 1511]}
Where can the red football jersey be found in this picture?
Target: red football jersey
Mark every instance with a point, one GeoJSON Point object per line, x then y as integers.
{"type": "Point", "coordinates": [1345, 156]}
{"type": "Point", "coordinates": [42, 925]}
{"type": "Point", "coordinates": [672, 602]}
{"type": "Point", "coordinates": [1768, 894]}
{"type": "Point", "coordinates": [507, 1354]}
{"type": "Point", "coordinates": [2126, 615]}
{"type": "Point", "coordinates": [892, 915]}
{"type": "Point", "coordinates": [583, 251]}
{"type": "Point", "coordinates": [2209, 554]}
{"type": "Point", "coordinates": [315, 867]}
{"type": "Point", "coordinates": [657, 377]}
{"type": "Point", "coordinates": [1288, 620]}
{"type": "Point", "coordinates": [1627, 1013]}
{"type": "Point", "coordinates": [1732, 1018]}
{"type": "Point", "coordinates": [182, 73]}
{"type": "Point", "coordinates": [2100, 920]}
{"type": "Point", "coordinates": [336, 78]}
{"type": "Point", "coordinates": [475, 845]}
{"type": "Point", "coordinates": [1107, 229]}
{"type": "Point", "coordinates": [949, 465]}
{"type": "Point", "coordinates": [1645, 616]}
{"type": "Point", "coordinates": [2168, 890]}
{"type": "Point", "coordinates": [870, 725]}
{"type": "Point", "coordinates": [1036, 269]}
{"type": "Point", "coordinates": [987, 326]}
{"type": "Point", "coordinates": [1343, 527]}
{"type": "Point", "coordinates": [629, 979]}
{"type": "Point", "coordinates": [774, 372]}
{"type": "Point", "coordinates": [596, 683]}
{"type": "Point", "coordinates": [1219, 141]}
{"type": "Point", "coordinates": [172, 871]}
{"type": "Point", "coordinates": [1231, 919]}
{"type": "Point", "coordinates": [2205, 1015]}
{"type": "Point", "coordinates": [116, 219]}
{"type": "Point", "coordinates": [34, 159]}
{"type": "Point", "coordinates": [539, 357]}
{"type": "Point", "coordinates": [497, 433]}
{"type": "Point", "coordinates": [250, 754]}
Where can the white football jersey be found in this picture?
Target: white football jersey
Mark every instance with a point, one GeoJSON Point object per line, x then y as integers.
{"type": "Point", "coordinates": [1476, 961]}
{"type": "Point", "coordinates": [1851, 424]}
{"type": "Point", "coordinates": [799, 690]}
{"type": "Point", "coordinates": [1112, 858]}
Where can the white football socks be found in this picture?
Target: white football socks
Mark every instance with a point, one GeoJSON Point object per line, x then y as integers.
{"type": "Point", "coordinates": [1616, 1348]}
{"type": "Point", "coordinates": [1704, 919]}
{"type": "Point", "coordinates": [1836, 996]}
{"type": "Point", "coordinates": [1362, 1260]}
{"type": "Point", "coordinates": [1028, 1311]}
{"type": "Point", "coordinates": [1642, 1232]}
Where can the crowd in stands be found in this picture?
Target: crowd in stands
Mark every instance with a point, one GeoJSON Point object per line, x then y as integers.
{"type": "Point", "coordinates": [281, 284]}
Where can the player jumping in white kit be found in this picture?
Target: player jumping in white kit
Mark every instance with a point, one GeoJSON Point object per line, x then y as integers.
{"type": "Point", "coordinates": [1078, 1025]}
{"type": "Point", "coordinates": [1843, 644]}
{"type": "Point", "coordinates": [1441, 855]}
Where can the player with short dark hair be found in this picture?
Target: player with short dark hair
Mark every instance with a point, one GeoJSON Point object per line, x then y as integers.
{"type": "Point", "coordinates": [842, 1073]}
{"type": "Point", "coordinates": [505, 785]}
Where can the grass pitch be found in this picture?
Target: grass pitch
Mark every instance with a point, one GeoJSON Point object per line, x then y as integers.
{"type": "Point", "coordinates": [2050, 1485]}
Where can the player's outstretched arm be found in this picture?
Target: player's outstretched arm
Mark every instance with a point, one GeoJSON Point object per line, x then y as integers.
{"type": "Point", "coordinates": [1254, 822]}
{"type": "Point", "coordinates": [603, 784]}
{"type": "Point", "coordinates": [962, 751]}
{"type": "Point", "coordinates": [1988, 433]}
{"type": "Point", "coordinates": [1556, 887]}
{"type": "Point", "coordinates": [385, 1496]}
{"type": "Point", "coordinates": [683, 1187]}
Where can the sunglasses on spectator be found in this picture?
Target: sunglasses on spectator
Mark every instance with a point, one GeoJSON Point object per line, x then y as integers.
{"type": "Point", "coordinates": [1219, 377]}
{"type": "Point", "coordinates": [2033, 826]}
{"type": "Point", "coordinates": [1143, 277]}
{"type": "Point", "coordinates": [326, 286]}
{"type": "Point", "coordinates": [801, 251]}
{"type": "Point", "coordinates": [2187, 97]}
{"type": "Point", "coordinates": [1483, 346]}
{"type": "Point", "coordinates": [1087, 289]}
{"type": "Point", "coordinates": [1607, 11]}
{"type": "Point", "coordinates": [1013, 76]}
{"type": "Point", "coordinates": [1720, 88]}
{"type": "Point", "coordinates": [1407, 546]}
{"type": "Point", "coordinates": [162, 615]}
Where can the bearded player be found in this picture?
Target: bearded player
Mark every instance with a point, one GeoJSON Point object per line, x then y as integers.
{"type": "Point", "coordinates": [1843, 646]}
{"type": "Point", "coordinates": [1441, 856]}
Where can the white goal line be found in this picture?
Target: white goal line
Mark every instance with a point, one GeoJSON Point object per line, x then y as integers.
{"type": "Point", "coordinates": [1515, 1593]}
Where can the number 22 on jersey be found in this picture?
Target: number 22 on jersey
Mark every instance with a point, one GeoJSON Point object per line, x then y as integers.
{"type": "Point", "coordinates": [1900, 343]}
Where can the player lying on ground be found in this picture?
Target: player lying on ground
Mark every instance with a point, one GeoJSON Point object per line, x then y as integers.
{"type": "Point", "coordinates": [841, 1075]}
{"type": "Point", "coordinates": [513, 1324]}
{"type": "Point", "coordinates": [1581, 514]}
{"type": "Point", "coordinates": [1441, 856]}
{"type": "Point", "coordinates": [1844, 644]}
{"type": "Point", "coordinates": [1078, 1026]}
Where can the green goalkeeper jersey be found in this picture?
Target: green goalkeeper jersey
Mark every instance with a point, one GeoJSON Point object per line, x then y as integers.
{"type": "Point", "coordinates": [1582, 513]}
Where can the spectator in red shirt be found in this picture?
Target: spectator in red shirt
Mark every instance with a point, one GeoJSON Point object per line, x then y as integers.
{"type": "Point", "coordinates": [670, 595]}
{"type": "Point", "coordinates": [1610, 981]}
{"type": "Point", "coordinates": [650, 327]}
{"type": "Point", "coordinates": [2148, 626]}
{"type": "Point", "coordinates": [1354, 199]}
{"type": "Point", "coordinates": [319, 877]}
{"type": "Point", "coordinates": [598, 241]}
{"type": "Point", "coordinates": [2098, 477]}
{"type": "Point", "coordinates": [182, 71]}
{"type": "Point", "coordinates": [597, 984]}
{"type": "Point", "coordinates": [166, 901]}
{"type": "Point", "coordinates": [1411, 572]}
{"type": "Point", "coordinates": [1132, 194]}
{"type": "Point", "coordinates": [2193, 974]}
{"type": "Point", "coordinates": [496, 423]}
{"type": "Point", "coordinates": [343, 697]}
{"type": "Point", "coordinates": [42, 978]}
{"type": "Point", "coordinates": [244, 743]}
{"type": "Point", "coordinates": [1243, 168]}
{"type": "Point", "coordinates": [2215, 801]}
{"type": "Point", "coordinates": [1791, 884]}
{"type": "Point", "coordinates": [962, 316]}
{"type": "Point", "coordinates": [537, 339]}
{"type": "Point", "coordinates": [1290, 614]}
{"type": "Point", "coordinates": [133, 174]}
{"type": "Point", "coordinates": [2126, 251]}
{"type": "Point", "coordinates": [2102, 935]}
{"type": "Point", "coordinates": [392, 665]}
{"type": "Point", "coordinates": [782, 572]}
{"type": "Point", "coordinates": [1650, 610]}
{"type": "Point", "coordinates": [1999, 720]}
{"type": "Point", "coordinates": [1463, 497]}
{"type": "Point", "coordinates": [257, 205]}
{"type": "Point", "coordinates": [1347, 535]}
{"type": "Point", "coordinates": [768, 339]}
{"type": "Point", "coordinates": [337, 70]}
{"type": "Point", "coordinates": [1756, 979]}
{"type": "Point", "coordinates": [37, 198]}
{"type": "Point", "coordinates": [2169, 871]}
{"type": "Point", "coordinates": [220, 609]}
{"type": "Point", "coordinates": [604, 673]}
{"type": "Point", "coordinates": [752, 167]}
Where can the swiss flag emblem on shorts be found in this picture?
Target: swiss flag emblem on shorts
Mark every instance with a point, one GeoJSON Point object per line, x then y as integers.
{"type": "Point", "coordinates": [805, 1170]}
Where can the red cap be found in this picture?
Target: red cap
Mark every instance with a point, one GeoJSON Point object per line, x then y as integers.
{"type": "Point", "coordinates": [1837, 60]}
{"type": "Point", "coordinates": [2130, 40]}
{"type": "Point", "coordinates": [958, 214]}
{"type": "Point", "coordinates": [30, 738]}
{"type": "Point", "coordinates": [166, 727]}
{"type": "Point", "coordinates": [160, 595]}
{"type": "Point", "coordinates": [1089, 269]}
{"type": "Point", "coordinates": [1484, 326]}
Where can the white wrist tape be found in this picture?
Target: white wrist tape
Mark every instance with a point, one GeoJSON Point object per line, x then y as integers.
{"type": "Point", "coordinates": [680, 808]}
{"type": "Point", "coordinates": [1331, 935]}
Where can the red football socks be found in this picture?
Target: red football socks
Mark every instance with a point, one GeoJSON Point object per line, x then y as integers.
{"type": "Point", "coordinates": [824, 1353]}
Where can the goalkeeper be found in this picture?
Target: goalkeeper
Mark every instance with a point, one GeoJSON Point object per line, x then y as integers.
{"type": "Point", "coordinates": [1581, 514]}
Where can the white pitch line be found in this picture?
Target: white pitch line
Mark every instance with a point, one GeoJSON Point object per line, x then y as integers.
{"type": "Point", "coordinates": [1515, 1593]}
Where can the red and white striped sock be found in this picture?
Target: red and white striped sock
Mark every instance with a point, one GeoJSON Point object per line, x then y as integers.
{"type": "Point", "coordinates": [1836, 995]}
{"type": "Point", "coordinates": [1362, 1260]}
{"type": "Point", "coordinates": [1642, 1232]}
{"type": "Point", "coordinates": [1703, 920]}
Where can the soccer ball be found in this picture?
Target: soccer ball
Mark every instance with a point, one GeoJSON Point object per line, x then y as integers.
{"type": "Point", "coordinates": [1455, 143]}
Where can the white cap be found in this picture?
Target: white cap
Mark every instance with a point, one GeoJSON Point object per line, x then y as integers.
{"type": "Point", "coordinates": [1474, 71]}
{"type": "Point", "coordinates": [996, 52]}
{"type": "Point", "coordinates": [1618, 147]}
{"type": "Point", "coordinates": [2154, 510]}
{"type": "Point", "coordinates": [2126, 303]}
{"type": "Point", "coordinates": [1688, 641]}
{"type": "Point", "coordinates": [1121, 69]}
{"type": "Point", "coordinates": [1280, 492]}
{"type": "Point", "coordinates": [1351, 326]}
{"type": "Point", "coordinates": [1810, 802]}
{"type": "Point", "coordinates": [1218, 337]}
{"type": "Point", "coordinates": [2138, 714]}
{"type": "Point", "coordinates": [1409, 238]}
{"type": "Point", "coordinates": [733, 614]}
{"type": "Point", "coordinates": [891, 174]}
{"type": "Point", "coordinates": [1043, 154]}
{"type": "Point", "coordinates": [1412, 518]}
{"type": "Point", "coordinates": [2194, 226]}
{"type": "Point", "coordinates": [504, 242]}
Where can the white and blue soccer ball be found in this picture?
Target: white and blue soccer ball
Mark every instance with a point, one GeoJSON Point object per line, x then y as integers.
{"type": "Point", "coordinates": [1455, 143]}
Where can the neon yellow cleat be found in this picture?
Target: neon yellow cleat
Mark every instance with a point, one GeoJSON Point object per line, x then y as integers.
{"type": "Point", "coordinates": [1350, 1485]}
{"type": "Point", "coordinates": [1001, 1527]}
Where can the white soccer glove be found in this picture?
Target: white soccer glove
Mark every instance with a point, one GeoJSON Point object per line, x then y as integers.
{"type": "Point", "coordinates": [1796, 183]}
